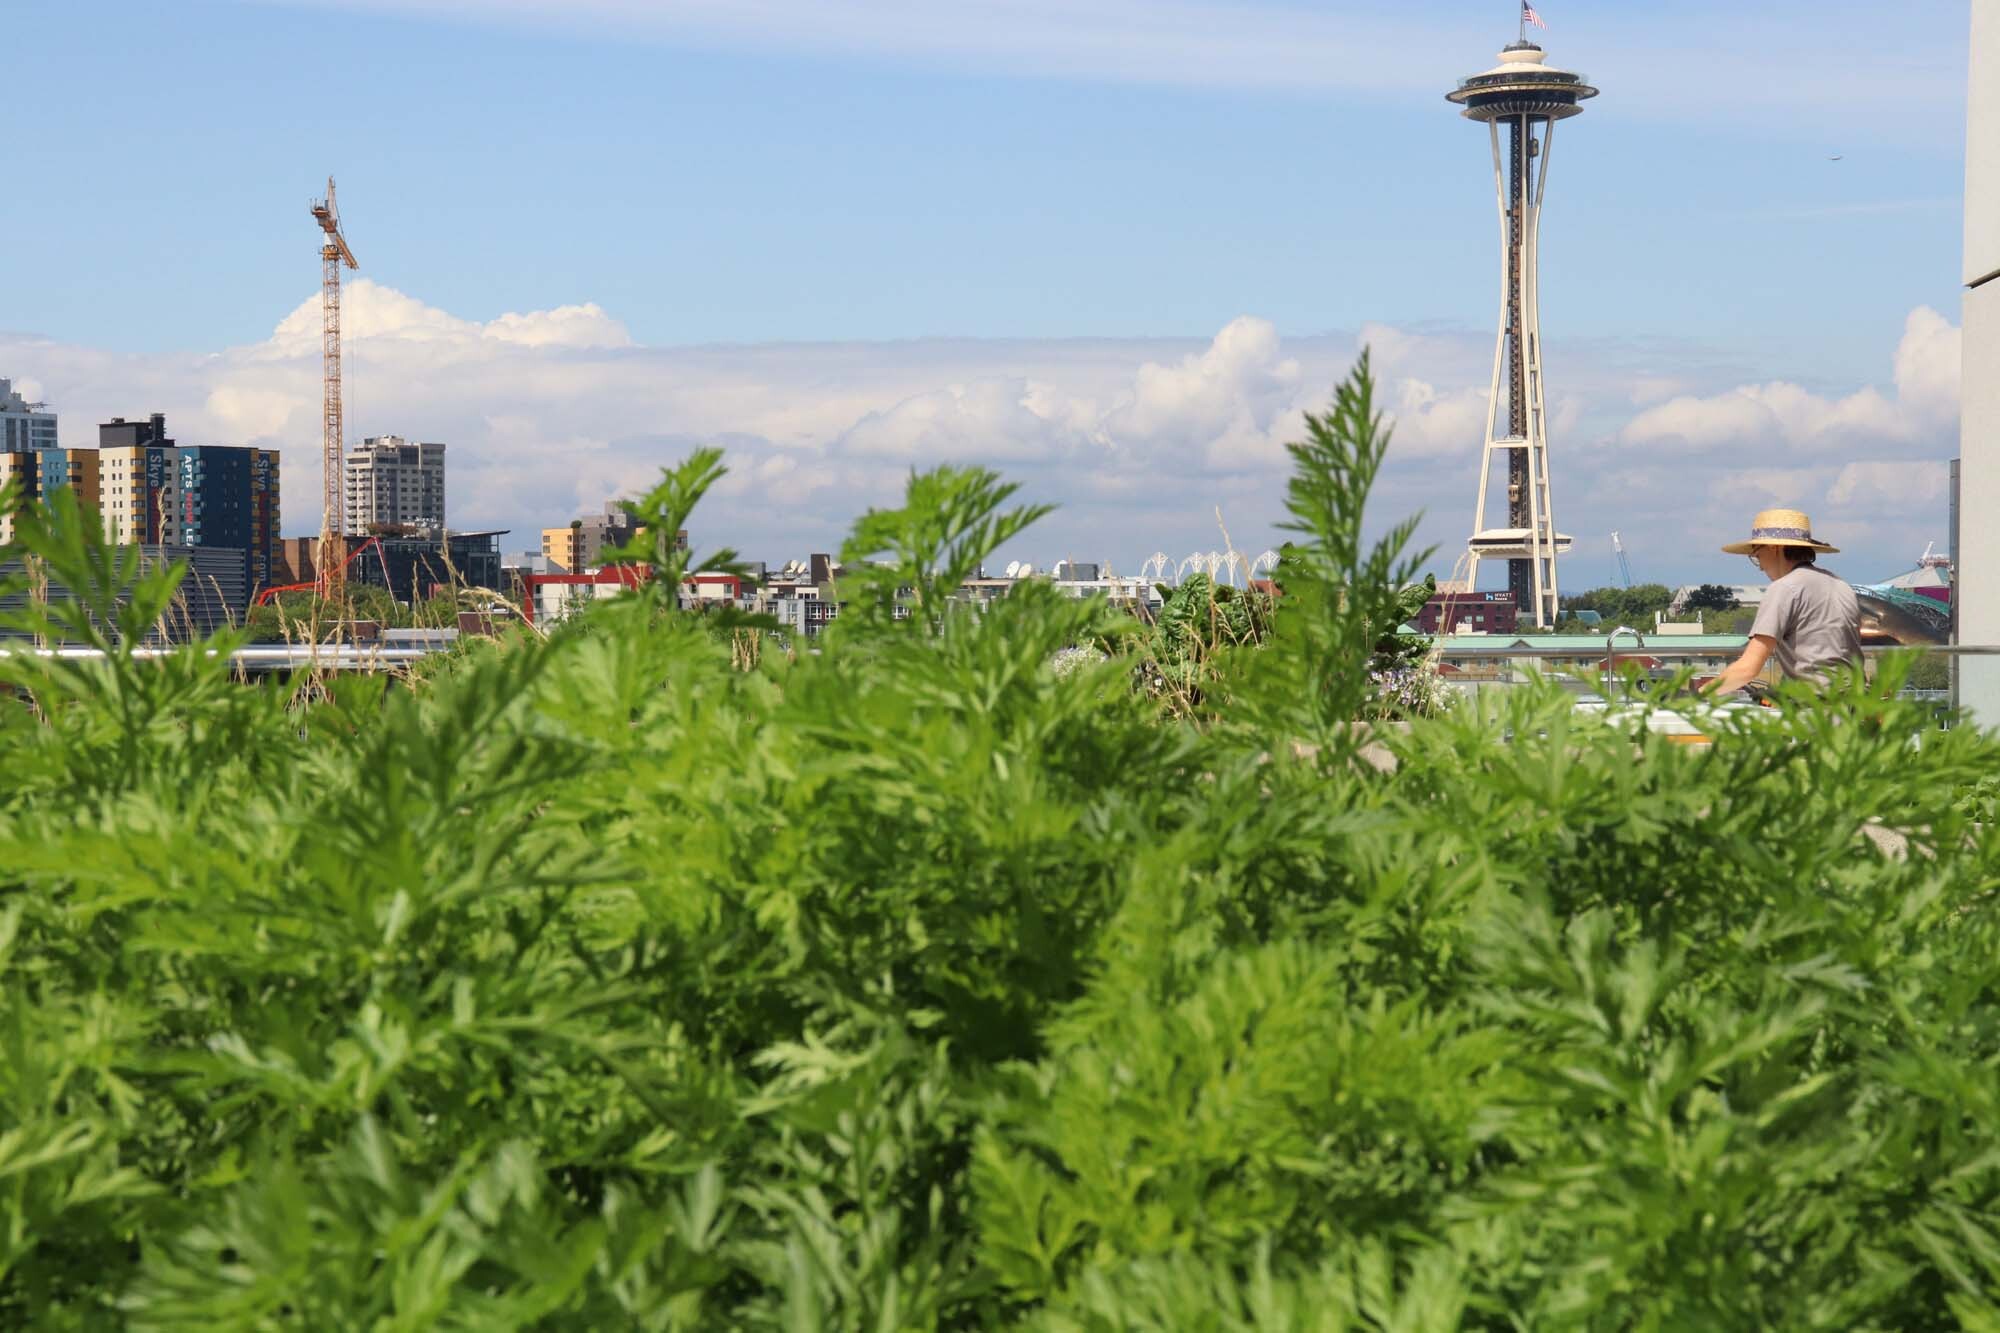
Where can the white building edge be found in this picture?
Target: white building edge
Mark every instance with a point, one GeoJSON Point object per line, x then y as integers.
{"type": "Point", "coordinates": [1979, 422]}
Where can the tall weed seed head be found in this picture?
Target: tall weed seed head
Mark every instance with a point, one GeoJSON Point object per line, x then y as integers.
{"type": "Point", "coordinates": [948, 978]}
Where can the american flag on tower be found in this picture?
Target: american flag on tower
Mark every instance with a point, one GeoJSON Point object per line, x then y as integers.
{"type": "Point", "coordinates": [1528, 15]}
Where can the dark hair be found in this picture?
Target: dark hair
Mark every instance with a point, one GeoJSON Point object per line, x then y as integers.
{"type": "Point", "coordinates": [1804, 555]}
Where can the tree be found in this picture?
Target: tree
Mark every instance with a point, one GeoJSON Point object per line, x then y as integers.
{"type": "Point", "coordinates": [303, 614]}
{"type": "Point", "coordinates": [1622, 605]}
{"type": "Point", "coordinates": [1711, 597]}
{"type": "Point", "coordinates": [1930, 672]}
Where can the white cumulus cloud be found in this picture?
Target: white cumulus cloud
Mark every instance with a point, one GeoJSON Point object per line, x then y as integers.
{"type": "Point", "coordinates": [370, 311]}
{"type": "Point", "coordinates": [1783, 417]}
{"type": "Point", "coordinates": [1140, 441]}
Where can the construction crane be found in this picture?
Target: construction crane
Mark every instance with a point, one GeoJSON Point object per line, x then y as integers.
{"type": "Point", "coordinates": [333, 253]}
{"type": "Point", "coordinates": [1624, 570]}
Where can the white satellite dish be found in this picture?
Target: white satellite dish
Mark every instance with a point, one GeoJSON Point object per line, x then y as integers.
{"type": "Point", "coordinates": [1027, 570]}
{"type": "Point", "coordinates": [1013, 569]}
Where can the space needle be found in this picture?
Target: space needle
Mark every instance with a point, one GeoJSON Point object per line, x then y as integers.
{"type": "Point", "coordinates": [1520, 99]}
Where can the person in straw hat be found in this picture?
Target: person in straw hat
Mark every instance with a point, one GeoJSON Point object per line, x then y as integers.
{"type": "Point", "coordinates": [1808, 619]}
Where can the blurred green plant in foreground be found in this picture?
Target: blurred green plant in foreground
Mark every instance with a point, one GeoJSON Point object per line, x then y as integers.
{"type": "Point", "coordinates": [597, 982]}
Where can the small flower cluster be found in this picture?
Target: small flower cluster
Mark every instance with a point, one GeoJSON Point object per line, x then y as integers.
{"type": "Point", "coordinates": [1410, 691]}
{"type": "Point", "coordinates": [1069, 661]}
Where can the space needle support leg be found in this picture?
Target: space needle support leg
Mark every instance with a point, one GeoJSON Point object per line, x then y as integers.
{"type": "Point", "coordinates": [1542, 472]}
{"type": "Point", "coordinates": [1531, 383]}
{"type": "Point", "coordinates": [1529, 389]}
{"type": "Point", "coordinates": [1499, 350]}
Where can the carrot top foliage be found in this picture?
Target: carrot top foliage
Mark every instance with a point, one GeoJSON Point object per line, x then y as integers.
{"type": "Point", "coordinates": [598, 982]}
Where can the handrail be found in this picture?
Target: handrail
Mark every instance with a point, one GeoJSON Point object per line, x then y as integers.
{"type": "Point", "coordinates": [259, 658]}
{"type": "Point", "coordinates": [264, 658]}
{"type": "Point", "coordinates": [1502, 646]}
{"type": "Point", "coordinates": [1611, 639]}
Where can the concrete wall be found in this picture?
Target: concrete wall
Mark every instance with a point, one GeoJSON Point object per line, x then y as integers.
{"type": "Point", "coordinates": [1982, 146]}
{"type": "Point", "coordinates": [1979, 447]}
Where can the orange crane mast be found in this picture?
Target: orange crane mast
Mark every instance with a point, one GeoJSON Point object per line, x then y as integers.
{"type": "Point", "coordinates": [333, 253]}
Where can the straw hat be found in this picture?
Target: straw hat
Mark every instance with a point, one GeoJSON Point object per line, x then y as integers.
{"type": "Point", "coordinates": [1780, 527]}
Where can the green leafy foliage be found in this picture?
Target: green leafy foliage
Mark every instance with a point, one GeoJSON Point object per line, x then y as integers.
{"type": "Point", "coordinates": [1343, 598]}
{"type": "Point", "coordinates": [1711, 597]}
{"type": "Point", "coordinates": [596, 981]}
{"type": "Point", "coordinates": [911, 560]}
{"type": "Point", "coordinates": [1182, 657]}
{"type": "Point", "coordinates": [1623, 606]}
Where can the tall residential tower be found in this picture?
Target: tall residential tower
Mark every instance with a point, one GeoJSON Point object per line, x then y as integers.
{"type": "Point", "coordinates": [1520, 100]}
{"type": "Point", "coordinates": [393, 482]}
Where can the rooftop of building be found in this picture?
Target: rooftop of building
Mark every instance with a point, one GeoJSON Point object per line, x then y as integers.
{"type": "Point", "coordinates": [11, 400]}
{"type": "Point", "coordinates": [414, 534]}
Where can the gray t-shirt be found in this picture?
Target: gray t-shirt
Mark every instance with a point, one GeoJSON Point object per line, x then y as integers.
{"type": "Point", "coordinates": [1814, 618]}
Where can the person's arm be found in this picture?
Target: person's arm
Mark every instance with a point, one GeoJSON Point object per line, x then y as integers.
{"type": "Point", "coordinates": [1745, 668]}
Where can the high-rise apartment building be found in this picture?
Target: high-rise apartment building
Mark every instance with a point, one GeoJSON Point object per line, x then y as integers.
{"type": "Point", "coordinates": [228, 496]}
{"type": "Point", "coordinates": [39, 472]}
{"type": "Point", "coordinates": [17, 468]}
{"type": "Point", "coordinates": [156, 492]}
{"type": "Point", "coordinates": [392, 482]}
{"type": "Point", "coordinates": [77, 469]}
{"type": "Point", "coordinates": [24, 425]}
{"type": "Point", "coordinates": [138, 476]}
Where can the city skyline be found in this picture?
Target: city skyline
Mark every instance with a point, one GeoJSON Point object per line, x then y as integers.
{"type": "Point", "coordinates": [1759, 333]}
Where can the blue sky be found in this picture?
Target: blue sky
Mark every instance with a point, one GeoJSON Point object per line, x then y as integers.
{"type": "Point", "coordinates": [881, 178]}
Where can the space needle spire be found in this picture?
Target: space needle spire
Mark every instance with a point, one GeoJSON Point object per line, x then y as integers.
{"type": "Point", "coordinates": [1520, 100]}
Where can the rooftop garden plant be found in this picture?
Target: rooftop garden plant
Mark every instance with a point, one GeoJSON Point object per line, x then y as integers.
{"type": "Point", "coordinates": [610, 979]}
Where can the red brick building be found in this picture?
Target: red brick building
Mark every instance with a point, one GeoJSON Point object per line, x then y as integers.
{"type": "Point", "coordinates": [1480, 612]}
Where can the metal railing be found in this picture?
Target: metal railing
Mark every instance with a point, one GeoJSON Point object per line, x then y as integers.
{"type": "Point", "coordinates": [267, 659]}
{"type": "Point", "coordinates": [1632, 644]}
{"type": "Point", "coordinates": [261, 659]}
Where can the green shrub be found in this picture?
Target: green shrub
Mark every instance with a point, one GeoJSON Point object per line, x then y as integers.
{"type": "Point", "coordinates": [597, 981]}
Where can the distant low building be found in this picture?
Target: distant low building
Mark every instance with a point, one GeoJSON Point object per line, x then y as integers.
{"type": "Point", "coordinates": [1746, 594]}
{"type": "Point", "coordinates": [1130, 592]}
{"type": "Point", "coordinates": [212, 594]}
{"type": "Point", "coordinates": [527, 562]}
{"type": "Point", "coordinates": [417, 567]}
{"type": "Point", "coordinates": [1579, 660]}
{"type": "Point", "coordinates": [297, 561]}
{"type": "Point", "coordinates": [1493, 612]}
{"type": "Point", "coordinates": [558, 594]}
{"type": "Point", "coordinates": [805, 617]}
{"type": "Point", "coordinates": [581, 544]}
